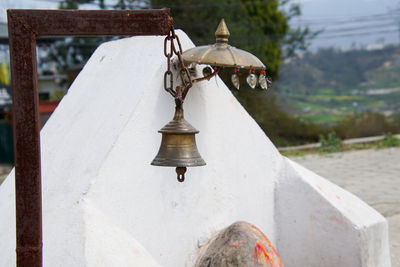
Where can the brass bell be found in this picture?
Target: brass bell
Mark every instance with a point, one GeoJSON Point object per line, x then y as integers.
{"type": "Point", "coordinates": [178, 146]}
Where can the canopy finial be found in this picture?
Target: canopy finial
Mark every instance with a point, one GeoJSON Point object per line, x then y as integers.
{"type": "Point", "coordinates": [222, 32]}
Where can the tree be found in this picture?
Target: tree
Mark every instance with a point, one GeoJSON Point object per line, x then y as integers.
{"type": "Point", "coordinates": [73, 50]}
{"type": "Point", "coordinates": [73, 4]}
{"type": "Point", "coordinates": [262, 28]}
{"type": "Point", "coordinates": [77, 50]}
{"type": "Point", "coordinates": [258, 26]}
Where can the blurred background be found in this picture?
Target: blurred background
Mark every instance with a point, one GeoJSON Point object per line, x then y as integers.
{"type": "Point", "coordinates": [335, 71]}
{"type": "Point", "coordinates": [334, 64]}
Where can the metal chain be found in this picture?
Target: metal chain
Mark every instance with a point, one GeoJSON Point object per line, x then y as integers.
{"type": "Point", "coordinates": [172, 45]}
{"type": "Point", "coordinates": [168, 74]}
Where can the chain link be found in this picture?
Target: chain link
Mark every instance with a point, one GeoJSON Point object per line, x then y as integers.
{"type": "Point", "coordinates": [172, 45]}
{"type": "Point", "coordinates": [168, 76]}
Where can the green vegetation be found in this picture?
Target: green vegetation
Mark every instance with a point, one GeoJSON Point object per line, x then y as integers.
{"type": "Point", "coordinates": [261, 27]}
{"type": "Point", "coordinates": [327, 86]}
{"type": "Point", "coordinates": [56, 95]}
{"type": "Point", "coordinates": [331, 90]}
{"type": "Point", "coordinates": [321, 118]}
{"type": "Point", "coordinates": [332, 144]}
{"type": "Point", "coordinates": [366, 124]}
{"type": "Point", "coordinates": [389, 141]}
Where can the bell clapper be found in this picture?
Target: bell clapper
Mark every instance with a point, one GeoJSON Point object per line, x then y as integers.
{"type": "Point", "coordinates": [180, 171]}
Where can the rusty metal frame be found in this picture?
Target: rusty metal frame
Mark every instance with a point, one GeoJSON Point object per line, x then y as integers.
{"type": "Point", "coordinates": [24, 27]}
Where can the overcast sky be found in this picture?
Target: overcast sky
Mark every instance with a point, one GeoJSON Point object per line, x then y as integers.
{"type": "Point", "coordinates": [345, 22]}
{"type": "Point", "coordinates": [352, 21]}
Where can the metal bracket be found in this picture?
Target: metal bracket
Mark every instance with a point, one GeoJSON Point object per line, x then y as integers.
{"type": "Point", "coordinates": [24, 27]}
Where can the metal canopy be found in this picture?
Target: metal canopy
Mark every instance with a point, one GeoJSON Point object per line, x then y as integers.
{"type": "Point", "coordinates": [221, 54]}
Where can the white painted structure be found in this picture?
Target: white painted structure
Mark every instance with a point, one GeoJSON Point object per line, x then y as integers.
{"type": "Point", "coordinates": [105, 205]}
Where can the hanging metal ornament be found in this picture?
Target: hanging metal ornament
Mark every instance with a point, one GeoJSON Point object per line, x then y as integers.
{"type": "Point", "coordinates": [178, 145]}
{"type": "Point", "coordinates": [207, 71]}
{"type": "Point", "coordinates": [252, 80]}
{"type": "Point", "coordinates": [235, 79]}
{"type": "Point", "coordinates": [223, 55]}
{"type": "Point", "coordinates": [262, 81]}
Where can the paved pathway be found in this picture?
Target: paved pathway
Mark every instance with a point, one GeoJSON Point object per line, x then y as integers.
{"type": "Point", "coordinates": [372, 175]}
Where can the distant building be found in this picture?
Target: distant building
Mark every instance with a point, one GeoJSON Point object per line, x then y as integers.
{"type": "Point", "coordinates": [5, 100]}
{"type": "Point", "coordinates": [47, 84]}
{"type": "Point", "coordinates": [51, 86]}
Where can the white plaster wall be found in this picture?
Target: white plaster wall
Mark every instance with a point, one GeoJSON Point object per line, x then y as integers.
{"type": "Point", "coordinates": [100, 191]}
{"type": "Point", "coordinates": [320, 224]}
{"type": "Point", "coordinates": [7, 221]}
{"type": "Point", "coordinates": [108, 245]}
{"type": "Point", "coordinates": [169, 218]}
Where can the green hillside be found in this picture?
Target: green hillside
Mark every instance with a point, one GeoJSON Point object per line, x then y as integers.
{"type": "Point", "coordinates": [329, 85]}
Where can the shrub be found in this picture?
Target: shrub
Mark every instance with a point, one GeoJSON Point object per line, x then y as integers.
{"type": "Point", "coordinates": [366, 124]}
{"type": "Point", "coordinates": [330, 144]}
{"type": "Point", "coordinates": [389, 141]}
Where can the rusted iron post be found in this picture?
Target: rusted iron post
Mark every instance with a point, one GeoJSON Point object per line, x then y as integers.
{"type": "Point", "coordinates": [24, 27]}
